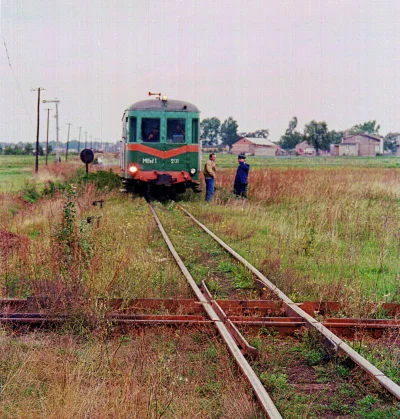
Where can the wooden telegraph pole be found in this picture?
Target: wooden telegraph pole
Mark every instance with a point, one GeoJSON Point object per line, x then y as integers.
{"type": "Point", "coordinates": [66, 152]}
{"type": "Point", "coordinates": [37, 128]}
{"type": "Point", "coordinates": [56, 101]}
{"type": "Point", "coordinates": [79, 139]}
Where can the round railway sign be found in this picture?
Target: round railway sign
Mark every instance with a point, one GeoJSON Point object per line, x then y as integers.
{"type": "Point", "coordinates": [87, 155]}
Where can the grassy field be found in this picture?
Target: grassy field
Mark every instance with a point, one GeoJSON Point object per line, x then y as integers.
{"type": "Point", "coordinates": [321, 232]}
{"type": "Point", "coordinates": [317, 233]}
{"type": "Point", "coordinates": [18, 171]}
{"type": "Point", "coordinates": [388, 162]}
{"type": "Point", "coordinates": [15, 171]}
{"type": "Point", "coordinates": [317, 229]}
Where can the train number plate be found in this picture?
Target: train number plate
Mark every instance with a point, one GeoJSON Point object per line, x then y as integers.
{"type": "Point", "coordinates": [149, 161]}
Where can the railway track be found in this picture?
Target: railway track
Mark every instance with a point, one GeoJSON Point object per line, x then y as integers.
{"type": "Point", "coordinates": [230, 316]}
{"type": "Point", "coordinates": [294, 315]}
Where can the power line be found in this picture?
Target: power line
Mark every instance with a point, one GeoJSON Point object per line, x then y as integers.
{"type": "Point", "coordinates": [15, 78]}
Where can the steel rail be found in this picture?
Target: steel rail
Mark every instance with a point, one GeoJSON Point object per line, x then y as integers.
{"type": "Point", "coordinates": [333, 340]}
{"type": "Point", "coordinates": [259, 390]}
{"type": "Point", "coordinates": [281, 324]}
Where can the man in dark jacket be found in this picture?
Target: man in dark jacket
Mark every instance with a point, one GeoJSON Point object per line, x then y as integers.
{"type": "Point", "coordinates": [240, 185]}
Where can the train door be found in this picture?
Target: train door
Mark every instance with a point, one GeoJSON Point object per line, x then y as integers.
{"type": "Point", "coordinates": [123, 146]}
{"type": "Point", "coordinates": [196, 159]}
{"type": "Point", "coordinates": [175, 144]}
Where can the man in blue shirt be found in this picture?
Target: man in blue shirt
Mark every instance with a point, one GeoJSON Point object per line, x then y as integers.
{"type": "Point", "coordinates": [241, 179]}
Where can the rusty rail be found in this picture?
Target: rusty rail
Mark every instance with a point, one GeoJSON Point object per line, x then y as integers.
{"type": "Point", "coordinates": [259, 390]}
{"type": "Point", "coordinates": [266, 313]}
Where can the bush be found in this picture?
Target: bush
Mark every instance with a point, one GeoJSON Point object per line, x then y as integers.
{"type": "Point", "coordinates": [29, 192]}
{"type": "Point", "coordinates": [50, 188]}
{"type": "Point", "coordinates": [101, 179]}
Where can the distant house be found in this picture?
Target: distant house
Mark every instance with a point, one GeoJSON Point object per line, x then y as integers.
{"type": "Point", "coordinates": [305, 149]}
{"type": "Point", "coordinates": [334, 149]}
{"type": "Point", "coordinates": [255, 147]}
{"type": "Point", "coordinates": [362, 144]}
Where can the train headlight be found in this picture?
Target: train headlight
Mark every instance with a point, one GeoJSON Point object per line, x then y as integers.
{"type": "Point", "coordinates": [193, 171]}
{"type": "Point", "coordinates": [133, 170]}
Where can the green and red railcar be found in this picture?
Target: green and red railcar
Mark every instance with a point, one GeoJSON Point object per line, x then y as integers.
{"type": "Point", "coordinates": [160, 146]}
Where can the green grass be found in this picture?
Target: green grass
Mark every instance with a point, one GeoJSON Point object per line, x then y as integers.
{"type": "Point", "coordinates": [305, 381]}
{"type": "Point", "coordinates": [226, 277]}
{"type": "Point", "coordinates": [230, 160]}
{"type": "Point", "coordinates": [320, 233]}
{"type": "Point", "coordinates": [14, 170]}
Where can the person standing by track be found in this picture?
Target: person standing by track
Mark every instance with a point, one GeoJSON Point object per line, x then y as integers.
{"type": "Point", "coordinates": [210, 169]}
{"type": "Point", "coordinates": [241, 179]}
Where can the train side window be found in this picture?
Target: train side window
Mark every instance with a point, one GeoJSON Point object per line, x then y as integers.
{"type": "Point", "coordinates": [124, 128]}
{"type": "Point", "coordinates": [151, 130]}
{"type": "Point", "coordinates": [132, 130]}
{"type": "Point", "coordinates": [195, 131]}
{"type": "Point", "coordinates": [176, 130]}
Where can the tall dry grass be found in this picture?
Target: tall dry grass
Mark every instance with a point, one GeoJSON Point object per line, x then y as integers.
{"type": "Point", "coordinates": [72, 262]}
{"type": "Point", "coordinates": [77, 252]}
{"type": "Point", "coordinates": [331, 234]}
{"type": "Point", "coordinates": [156, 373]}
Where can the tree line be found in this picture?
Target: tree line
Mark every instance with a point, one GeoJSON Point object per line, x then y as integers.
{"type": "Point", "coordinates": [317, 134]}
{"type": "Point", "coordinates": [215, 133]}
{"type": "Point", "coordinates": [21, 150]}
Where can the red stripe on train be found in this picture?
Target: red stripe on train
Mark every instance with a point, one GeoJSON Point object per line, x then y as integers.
{"type": "Point", "coordinates": [160, 153]}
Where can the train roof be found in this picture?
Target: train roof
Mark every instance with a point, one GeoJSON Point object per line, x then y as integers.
{"type": "Point", "coordinates": [168, 105]}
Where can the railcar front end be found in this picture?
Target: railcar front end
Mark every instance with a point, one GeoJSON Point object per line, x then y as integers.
{"type": "Point", "coordinates": [160, 146]}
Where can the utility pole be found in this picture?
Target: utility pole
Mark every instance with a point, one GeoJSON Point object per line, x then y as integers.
{"type": "Point", "coordinates": [66, 152]}
{"type": "Point", "coordinates": [79, 139]}
{"type": "Point", "coordinates": [91, 142]}
{"type": "Point", "coordinates": [37, 129]}
{"type": "Point", "coordinates": [47, 136]}
{"type": "Point", "coordinates": [85, 139]}
{"type": "Point", "coordinates": [97, 143]}
{"type": "Point", "coordinates": [57, 129]}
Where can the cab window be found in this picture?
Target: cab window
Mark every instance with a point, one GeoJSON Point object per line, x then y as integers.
{"type": "Point", "coordinates": [195, 131]}
{"type": "Point", "coordinates": [176, 130]}
{"type": "Point", "coordinates": [132, 130]}
{"type": "Point", "coordinates": [150, 130]}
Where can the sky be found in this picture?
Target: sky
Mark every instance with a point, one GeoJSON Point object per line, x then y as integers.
{"type": "Point", "coordinates": [259, 61]}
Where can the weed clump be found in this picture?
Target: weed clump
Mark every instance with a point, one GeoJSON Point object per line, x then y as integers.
{"type": "Point", "coordinates": [101, 179]}
{"type": "Point", "coordinates": [29, 192]}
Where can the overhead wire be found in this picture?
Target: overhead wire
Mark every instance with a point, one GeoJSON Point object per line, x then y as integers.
{"type": "Point", "coordinates": [14, 75]}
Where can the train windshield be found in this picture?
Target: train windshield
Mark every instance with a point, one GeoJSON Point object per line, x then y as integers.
{"type": "Point", "coordinates": [151, 130]}
{"type": "Point", "coordinates": [175, 130]}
